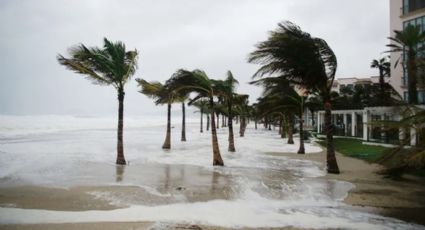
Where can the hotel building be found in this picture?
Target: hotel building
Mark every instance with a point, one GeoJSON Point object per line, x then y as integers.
{"type": "Point", "coordinates": [402, 14]}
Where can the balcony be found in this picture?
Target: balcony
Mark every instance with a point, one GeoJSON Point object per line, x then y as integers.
{"type": "Point", "coordinates": [411, 6]}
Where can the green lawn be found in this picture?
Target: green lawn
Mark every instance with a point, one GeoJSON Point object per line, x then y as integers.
{"type": "Point", "coordinates": [355, 148]}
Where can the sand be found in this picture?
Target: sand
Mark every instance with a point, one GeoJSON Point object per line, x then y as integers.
{"type": "Point", "coordinates": [373, 193]}
{"type": "Point", "coordinates": [403, 199]}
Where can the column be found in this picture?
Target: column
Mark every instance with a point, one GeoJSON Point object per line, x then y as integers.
{"type": "Point", "coordinates": [401, 135]}
{"type": "Point", "coordinates": [319, 122]}
{"type": "Point", "coordinates": [365, 126]}
{"type": "Point", "coordinates": [383, 134]}
{"type": "Point", "coordinates": [344, 120]}
{"type": "Point", "coordinates": [412, 136]}
{"type": "Point", "coordinates": [353, 124]}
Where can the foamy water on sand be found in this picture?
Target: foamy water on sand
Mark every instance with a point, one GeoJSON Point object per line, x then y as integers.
{"type": "Point", "coordinates": [254, 189]}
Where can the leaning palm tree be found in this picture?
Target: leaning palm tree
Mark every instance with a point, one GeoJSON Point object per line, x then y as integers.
{"type": "Point", "coordinates": [280, 97]}
{"type": "Point", "coordinates": [197, 81]}
{"type": "Point", "coordinates": [202, 105]}
{"type": "Point", "coordinates": [383, 65]}
{"type": "Point", "coordinates": [309, 62]}
{"type": "Point", "coordinates": [109, 65]}
{"type": "Point", "coordinates": [241, 108]}
{"type": "Point", "coordinates": [227, 87]}
{"type": "Point", "coordinates": [162, 95]}
{"type": "Point", "coordinates": [409, 41]}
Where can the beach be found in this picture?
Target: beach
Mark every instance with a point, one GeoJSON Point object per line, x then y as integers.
{"type": "Point", "coordinates": [264, 185]}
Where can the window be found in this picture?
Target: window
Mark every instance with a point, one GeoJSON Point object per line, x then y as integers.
{"type": "Point", "coordinates": [405, 6]}
{"type": "Point", "coordinates": [419, 21]}
{"type": "Point", "coordinates": [421, 97]}
{"type": "Point", "coordinates": [412, 5]}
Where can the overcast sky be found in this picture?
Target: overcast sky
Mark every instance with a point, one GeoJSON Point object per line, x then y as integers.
{"type": "Point", "coordinates": [213, 35]}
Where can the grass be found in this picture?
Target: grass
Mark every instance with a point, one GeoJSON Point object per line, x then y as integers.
{"type": "Point", "coordinates": [355, 148]}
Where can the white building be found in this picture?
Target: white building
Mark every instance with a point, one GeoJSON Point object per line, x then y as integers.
{"type": "Point", "coordinates": [352, 81]}
{"type": "Point", "coordinates": [403, 13]}
{"type": "Point", "coordinates": [360, 123]}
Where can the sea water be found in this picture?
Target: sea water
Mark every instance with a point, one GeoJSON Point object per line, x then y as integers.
{"type": "Point", "coordinates": [254, 189]}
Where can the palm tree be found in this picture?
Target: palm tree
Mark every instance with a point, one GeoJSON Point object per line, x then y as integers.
{"type": "Point", "coordinates": [227, 87]}
{"type": "Point", "coordinates": [197, 81]}
{"type": "Point", "coordinates": [400, 160]}
{"type": "Point", "coordinates": [280, 97]}
{"type": "Point", "coordinates": [162, 95]}
{"type": "Point", "coordinates": [109, 65]}
{"type": "Point", "coordinates": [183, 136]}
{"type": "Point", "coordinates": [309, 62]}
{"type": "Point", "coordinates": [383, 65]}
{"type": "Point", "coordinates": [241, 108]}
{"type": "Point", "coordinates": [313, 103]}
{"type": "Point", "coordinates": [409, 42]}
{"type": "Point", "coordinates": [202, 105]}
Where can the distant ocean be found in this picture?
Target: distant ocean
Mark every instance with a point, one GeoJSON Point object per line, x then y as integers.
{"type": "Point", "coordinates": [11, 125]}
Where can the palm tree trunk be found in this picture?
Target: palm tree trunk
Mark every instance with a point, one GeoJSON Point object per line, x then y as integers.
{"type": "Point", "coordinates": [120, 143]}
{"type": "Point", "coordinates": [217, 160]}
{"type": "Point", "coordinates": [167, 142]}
{"type": "Point", "coordinates": [280, 126]}
{"type": "Point", "coordinates": [241, 126]}
{"type": "Point", "coordinates": [222, 121]}
{"type": "Point", "coordinates": [290, 130]}
{"type": "Point", "coordinates": [202, 122]}
{"type": "Point", "coordinates": [269, 123]}
{"type": "Point", "coordinates": [230, 124]}
{"type": "Point", "coordinates": [208, 122]}
{"type": "Point", "coordinates": [331, 163]}
{"type": "Point", "coordinates": [244, 126]}
{"type": "Point", "coordinates": [411, 77]}
{"type": "Point", "coordinates": [284, 124]}
{"type": "Point", "coordinates": [381, 84]}
{"type": "Point", "coordinates": [218, 120]}
{"type": "Point", "coordinates": [255, 124]}
{"type": "Point", "coordinates": [301, 150]}
{"type": "Point", "coordinates": [183, 122]}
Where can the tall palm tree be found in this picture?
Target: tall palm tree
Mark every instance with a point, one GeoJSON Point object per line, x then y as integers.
{"type": "Point", "coordinates": [227, 87]}
{"type": "Point", "coordinates": [183, 134]}
{"type": "Point", "coordinates": [309, 62]}
{"type": "Point", "coordinates": [313, 103]}
{"type": "Point", "coordinates": [197, 81]}
{"type": "Point", "coordinates": [280, 97]}
{"type": "Point", "coordinates": [383, 65]}
{"type": "Point", "coordinates": [241, 108]}
{"type": "Point", "coordinates": [202, 105]}
{"type": "Point", "coordinates": [110, 65]}
{"type": "Point", "coordinates": [409, 42]}
{"type": "Point", "coordinates": [162, 95]}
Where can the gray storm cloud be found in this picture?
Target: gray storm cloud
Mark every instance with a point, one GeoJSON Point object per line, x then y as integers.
{"type": "Point", "coordinates": [215, 36]}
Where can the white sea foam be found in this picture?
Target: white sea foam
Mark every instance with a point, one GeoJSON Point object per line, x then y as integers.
{"type": "Point", "coordinates": [267, 190]}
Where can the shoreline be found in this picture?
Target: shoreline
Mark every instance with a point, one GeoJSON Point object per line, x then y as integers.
{"type": "Point", "coordinates": [372, 193]}
{"type": "Point", "coordinates": [401, 199]}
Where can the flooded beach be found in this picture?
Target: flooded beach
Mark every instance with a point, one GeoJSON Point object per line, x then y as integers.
{"type": "Point", "coordinates": [68, 176]}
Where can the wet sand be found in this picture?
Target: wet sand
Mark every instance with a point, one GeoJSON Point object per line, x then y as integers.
{"type": "Point", "coordinates": [124, 226]}
{"type": "Point", "coordinates": [402, 199]}
{"type": "Point", "coordinates": [167, 184]}
{"type": "Point", "coordinates": [372, 193]}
